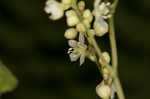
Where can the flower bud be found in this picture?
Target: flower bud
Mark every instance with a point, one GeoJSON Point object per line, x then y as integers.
{"type": "Point", "coordinates": [92, 32]}
{"type": "Point", "coordinates": [81, 28]}
{"type": "Point", "coordinates": [70, 33]}
{"type": "Point", "coordinates": [81, 5]}
{"type": "Point", "coordinates": [100, 27]}
{"type": "Point", "coordinates": [67, 2]}
{"type": "Point", "coordinates": [88, 15]}
{"type": "Point", "coordinates": [103, 91]}
{"type": "Point", "coordinates": [106, 57]}
{"type": "Point", "coordinates": [55, 9]}
{"type": "Point", "coordinates": [86, 23]}
{"type": "Point", "coordinates": [72, 18]}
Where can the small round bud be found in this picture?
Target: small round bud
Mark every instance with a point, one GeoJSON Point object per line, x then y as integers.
{"type": "Point", "coordinates": [70, 33]}
{"type": "Point", "coordinates": [86, 23]}
{"type": "Point", "coordinates": [81, 5]}
{"type": "Point", "coordinates": [103, 91]}
{"type": "Point", "coordinates": [72, 18]}
{"type": "Point", "coordinates": [67, 2]}
{"type": "Point", "coordinates": [81, 28]}
{"type": "Point", "coordinates": [100, 27]}
{"type": "Point", "coordinates": [106, 57]}
{"type": "Point", "coordinates": [55, 9]}
{"type": "Point", "coordinates": [88, 15]}
{"type": "Point", "coordinates": [72, 21]}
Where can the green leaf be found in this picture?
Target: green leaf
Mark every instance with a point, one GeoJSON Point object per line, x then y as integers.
{"type": "Point", "coordinates": [8, 81]}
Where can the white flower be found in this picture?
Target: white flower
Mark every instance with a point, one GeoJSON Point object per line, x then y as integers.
{"type": "Point", "coordinates": [55, 9]}
{"type": "Point", "coordinates": [101, 12]}
{"type": "Point", "coordinates": [102, 9]}
{"type": "Point", "coordinates": [78, 49]}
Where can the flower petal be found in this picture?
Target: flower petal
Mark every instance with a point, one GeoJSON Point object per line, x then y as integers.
{"type": "Point", "coordinates": [81, 38]}
{"type": "Point", "coordinates": [72, 43]}
{"type": "Point", "coordinates": [82, 58]}
{"type": "Point", "coordinates": [101, 27]}
{"type": "Point", "coordinates": [96, 3]}
{"type": "Point", "coordinates": [74, 57]}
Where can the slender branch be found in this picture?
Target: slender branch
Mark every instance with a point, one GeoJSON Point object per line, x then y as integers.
{"type": "Point", "coordinates": [99, 53]}
{"type": "Point", "coordinates": [114, 52]}
{"type": "Point", "coordinates": [113, 44]}
{"type": "Point", "coordinates": [118, 87]}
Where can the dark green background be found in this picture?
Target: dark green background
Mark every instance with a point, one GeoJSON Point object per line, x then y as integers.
{"type": "Point", "coordinates": [34, 49]}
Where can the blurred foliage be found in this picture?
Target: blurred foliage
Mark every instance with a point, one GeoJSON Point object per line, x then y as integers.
{"type": "Point", "coordinates": [34, 49]}
{"type": "Point", "coordinates": [8, 81]}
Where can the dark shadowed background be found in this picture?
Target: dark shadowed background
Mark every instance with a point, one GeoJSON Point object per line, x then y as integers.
{"type": "Point", "coordinates": [34, 49]}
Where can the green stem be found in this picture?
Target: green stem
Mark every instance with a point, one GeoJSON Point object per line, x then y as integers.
{"type": "Point", "coordinates": [99, 53]}
{"type": "Point", "coordinates": [118, 87]}
{"type": "Point", "coordinates": [112, 38]}
{"type": "Point", "coordinates": [113, 44]}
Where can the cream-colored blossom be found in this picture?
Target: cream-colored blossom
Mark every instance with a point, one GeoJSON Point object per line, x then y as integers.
{"type": "Point", "coordinates": [78, 49]}
{"type": "Point", "coordinates": [101, 12]}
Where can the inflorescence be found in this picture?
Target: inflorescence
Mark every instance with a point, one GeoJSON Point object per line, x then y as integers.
{"type": "Point", "coordinates": [85, 24]}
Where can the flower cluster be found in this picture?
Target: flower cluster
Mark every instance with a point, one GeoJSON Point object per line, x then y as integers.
{"type": "Point", "coordinates": [83, 23]}
{"type": "Point", "coordinates": [79, 22]}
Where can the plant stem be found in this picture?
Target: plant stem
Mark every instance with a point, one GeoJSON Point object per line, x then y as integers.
{"type": "Point", "coordinates": [118, 87]}
{"type": "Point", "coordinates": [112, 38]}
{"type": "Point", "coordinates": [99, 53]}
{"type": "Point", "coordinates": [113, 44]}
